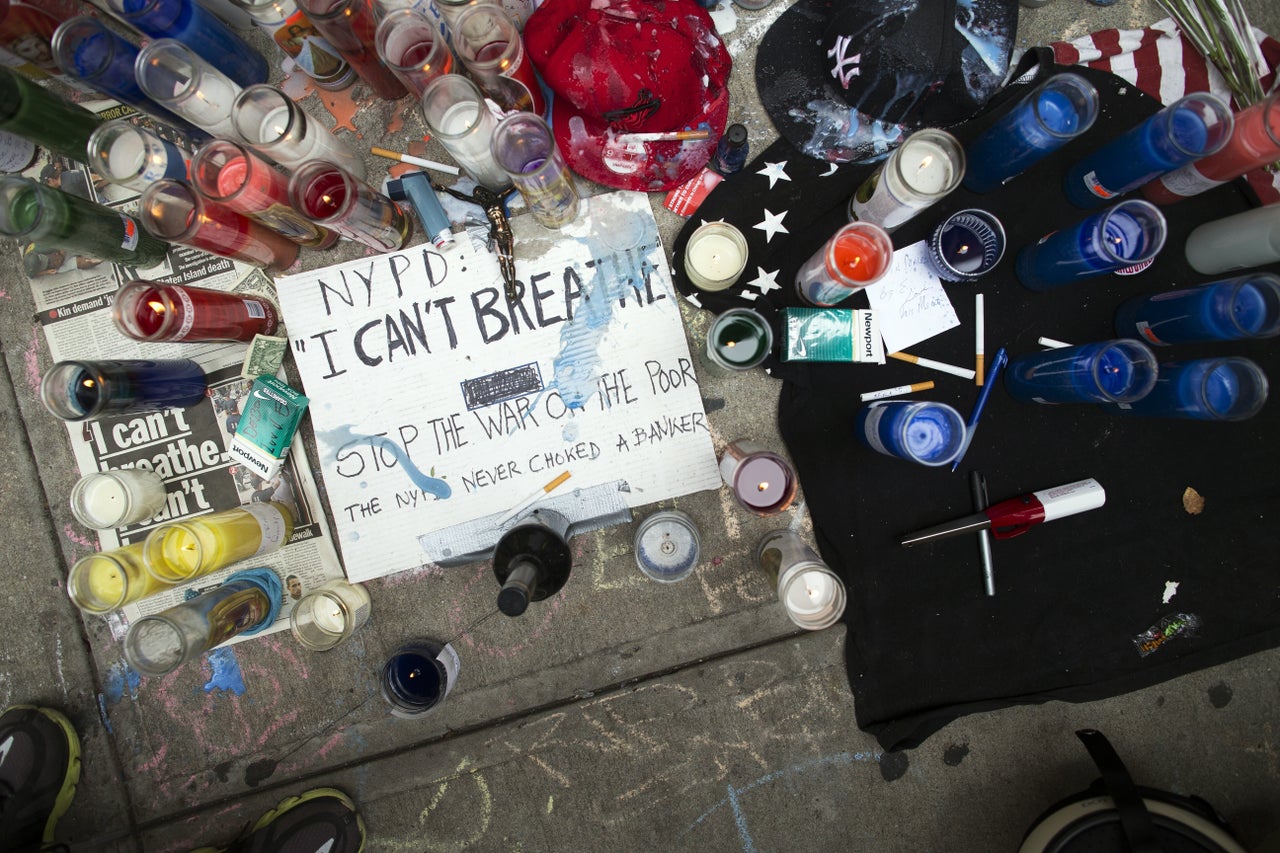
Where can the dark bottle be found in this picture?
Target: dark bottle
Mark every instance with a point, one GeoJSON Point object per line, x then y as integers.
{"type": "Point", "coordinates": [731, 153]}
{"type": "Point", "coordinates": [46, 119]}
{"type": "Point", "coordinates": [532, 561]}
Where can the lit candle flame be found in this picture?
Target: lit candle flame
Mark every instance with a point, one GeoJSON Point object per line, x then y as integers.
{"type": "Point", "coordinates": [925, 163]}
{"type": "Point", "coordinates": [156, 306]}
{"type": "Point", "coordinates": [761, 487]}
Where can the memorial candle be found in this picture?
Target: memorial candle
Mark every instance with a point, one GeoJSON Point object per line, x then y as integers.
{"type": "Point", "coordinates": [1236, 242]}
{"type": "Point", "coordinates": [966, 245]}
{"type": "Point", "coordinates": [109, 499]}
{"type": "Point", "coordinates": [458, 116]}
{"type": "Point", "coordinates": [183, 550]}
{"type": "Point", "coordinates": [927, 433]}
{"type": "Point", "coordinates": [299, 39]}
{"type": "Point", "coordinates": [350, 26]}
{"type": "Point", "coordinates": [78, 390]}
{"type": "Point", "coordinates": [106, 581]}
{"type": "Point", "coordinates": [667, 546]}
{"type": "Point", "coordinates": [1243, 308]}
{"type": "Point", "coordinates": [171, 210]}
{"type": "Point", "coordinates": [739, 339]}
{"type": "Point", "coordinates": [1206, 389]}
{"type": "Point", "coordinates": [762, 481]}
{"type": "Point", "coordinates": [1126, 234]}
{"type": "Point", "coordinates": [178, 79]}
{"type": "Point", "coordinates": [419, 676]}
{"type": "Point", "coordinates": [525, 148]}
{"type": "Point", "coordinates": [920, 171]}
{"type": "Point", "coordinates": [272, 122]}
{"type": "Point", "coordinates": [715, 256]}
{"type": "Point", "coordinates": [186, 22]}
{"type": "Point", "coordinates": [1119, 371]}
{"type": "Point", "coordinates": [329, 614]}
{"type": "Point", "coordinates": [488, 42]}
{"type": "Point", "coordinates": [155, 311]}
{"type": "Point", "coordinates": [134, 157]}
{"type": "Point", "coordinates": [333, 197]}
{"type": "Point", "coordinates": [856, 256]}
{"type": "Point", "coordinates": [813, 596]}
{"type": "Point", "coordinates": [413, 48]}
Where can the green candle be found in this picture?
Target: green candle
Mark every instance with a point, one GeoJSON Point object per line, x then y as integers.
{"type": "Point", "coordinates": [46, 119]}
{"type": "Point", "coordinates": [739, 339]}
{"type": "Point", "coordinates": [32, 212]}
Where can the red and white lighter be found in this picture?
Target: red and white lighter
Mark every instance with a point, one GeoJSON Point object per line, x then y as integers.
{"type": "Point", "coordinates": [1016, 516]}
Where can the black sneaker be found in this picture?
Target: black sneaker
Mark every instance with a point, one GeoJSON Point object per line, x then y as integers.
{"type": "Point", "coordinates": [39, 769]}
{"type": "Point", "coordinates": [322, 820]}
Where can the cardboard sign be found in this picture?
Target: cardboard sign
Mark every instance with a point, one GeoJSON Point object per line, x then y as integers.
{"type": "Point", "coordinates": [435, 401]}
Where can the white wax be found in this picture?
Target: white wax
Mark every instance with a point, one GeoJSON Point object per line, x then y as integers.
{"type": "Point", "coordinates": [926, 168]}
{"type": "Point", "coordinates": [328, 616]}
{"type": "Point", "coordinates": [104, 499]}
{"type": "Point", "coordinates": [810, 594]}
{"type": "Point", "coordinates": [126, 155]}
{"type": "Point", "coordinates": [273, 126]}
{"type": "Point", "coordinates": [714, 256]}
{"type": "Point", "coordinates": [464, 133]}
{"type": "Point", "coordinates": [209, 107]}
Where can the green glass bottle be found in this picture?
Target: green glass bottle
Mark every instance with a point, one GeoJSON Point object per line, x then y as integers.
{"type": "Point", "coordinates": [32, 212]}
{"type": "Point", "coordinates": [31, 112]}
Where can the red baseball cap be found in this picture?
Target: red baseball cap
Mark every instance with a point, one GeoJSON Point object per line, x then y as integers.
{"type": "Point", "coordinates": [631, 66]}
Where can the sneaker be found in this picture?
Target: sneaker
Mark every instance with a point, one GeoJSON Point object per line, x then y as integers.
{"type": "Point", "coordinates": [39, 769]}
{"type": "Point", "coordinates": [322, 820]}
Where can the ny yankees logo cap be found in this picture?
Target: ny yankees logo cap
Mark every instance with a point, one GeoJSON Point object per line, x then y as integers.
{"type": "Point", "coordinates": [631, 66]}
{"type": "Point", "coordinates": [846, 80]}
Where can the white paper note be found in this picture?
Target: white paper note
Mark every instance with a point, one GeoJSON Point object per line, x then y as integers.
{"type": "Point", "coordinates": [909, 301]}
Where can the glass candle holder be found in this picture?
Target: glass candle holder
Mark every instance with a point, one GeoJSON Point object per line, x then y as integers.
{"type": "Point", "coordinates": [247, 603]}
{"type": "Point", "coordinates": [171, 210]}
{"type": "Point", "coordinates": [329, 614]}
{"type": "Point", "coordinates": [134, 157]}
{"type": "Point", "coordinates": [1254, 143]}
{"type": "Point", "coordinates": [413, 48]}
{"type": "Point", "coordinates": [488, 43]}
{"type": "Point", "coordinates": [856, 256]}
{"type": "Point", "coordinates": [186, 22]}
{"type": "Point", "coordinates": [109, 499]}
{"type": "Point", "coordinates": [419, 676]}
{"type": "Point", "coordinates": [106, 581]}
{"type": "Point", "coordinates": [667, 546]}
{"type": "Point", "coordinates": [29, 111]}
{"type": "Point", "coordinates": [78, 390]}
{"type": "Point", "coordinates": [1125, 235]}
{"type": "Point", "coordinates": [762, 482]}
{"type": "Point", "coordinates": [919, 172]}
{"type": "Point", "coordinates": [1237, 309]}
{"type": "Point", "coordinates": [739, 339]}
{"type": "Point", "coordinates": [1186, 130]}
{"type": "Point", "coordinates": [1206, 389]}
{"type": "Point", "coordinates": [459, 118]}
{"type": "Point", "coordinates": [715, 256]}
{"type": "Point", "coordinates": [89, 51]}
{"type": "Point", "coordinates": [178, 79]}
{"type": "Point", "coordinates": [32, 212]}
{"type": "Point", "coordinates": [332, 197]}
{"type": "Point", "coordinates": [272, 122]}
{"type": "Point", "coordinates": [813, 596]}
{"type": "Point", "coordinates": [525, 148]}
{"type": "Point", "coordinates": [184, 550]}
{"type": "Point", "coordinates": [230, 173]}
{"type": "Point", "coordinates": [298, 38]}
{"type": "Point", "coordinates": [926, 433]}
{"type": "Point", "coordinates": [966, 245]}
{"type": "Point", "coordinates": [350, 26]}
{"type": "Point", "coordinates": [1054, 113]}
{"type": "Point", "coordinates": [155, 312]}
{"type": "Point", "coordinates": [1236, 242]}
{"type": "Point", "coordinates": [1119, 371]}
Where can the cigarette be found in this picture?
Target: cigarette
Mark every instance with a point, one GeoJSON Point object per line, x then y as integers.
{"type": "Point", "coordinates": [673, 136]}
{"type": "Point", "coordinates": [962, 372]}
{"type": "Point", "coordinates": [896, 391]}
{"type": "Point", "coordinates": [979, 350]}
{"type": "Point", "coordinates": [1052, 344]}
{"type": "Point", "coordinates": [416, 161]}
{"type": "Point", "coordinates": [535, 497]}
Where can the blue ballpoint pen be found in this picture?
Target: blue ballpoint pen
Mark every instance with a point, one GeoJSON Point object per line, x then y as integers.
{"type": "Point", "coordinates": [993, 373]}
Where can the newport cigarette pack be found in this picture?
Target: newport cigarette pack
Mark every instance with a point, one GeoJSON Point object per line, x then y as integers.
{"type": "Point", "coordinates": [831, 334]}
{"type": "Point", "coordinates": [267, 425]}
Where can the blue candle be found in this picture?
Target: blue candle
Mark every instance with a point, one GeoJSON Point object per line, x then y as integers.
{"type": "Point", "coordinates": [1059, 110]}
{"type": "Point", "coordinates": [1186, 130]}
{"type": "Point", "coordinates": [928, 433]}
{"type": "Point", "coordinates": [1229, 310]}
{"type": "Point", "coordinates": [1128, 233]}
{"type": "Point", "coordinates": [187, 22]}
{"type": "Point", "coordinates": [1105, 371]}
{"type": "Point", "coordinates": [79, 390]}
{"type": "Point", "coordinates": [418, 677]}
{"type": "Point", "coordinates": [966, 245]}
{"type": "Point", "coordinates": [1208, 389]}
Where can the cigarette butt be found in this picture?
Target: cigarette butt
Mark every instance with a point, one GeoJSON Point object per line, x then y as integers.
{"type": "Point", "coordinates": [895, 391]}
{"type": "Point", "coordinates": [962, 372]}
{"type": "Point", "coordinates": [980, 364]}
{"type": "Point", "coordinates": [564, 475]}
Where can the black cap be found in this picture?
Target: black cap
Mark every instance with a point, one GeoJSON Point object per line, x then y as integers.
{"type": "Point", "coordinates": [735, 136]}
{"type": "Point", "coordinates": [513, 600]}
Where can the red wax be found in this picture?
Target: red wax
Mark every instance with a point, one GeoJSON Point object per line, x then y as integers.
{"type": "Point", "coordinates": [858, 257]}
{"type": "Point", "coordinates": [156, 312]}
{"type": "Point", "coordinates": [762, 482]}
{"type": "Point", "coordinates": [324, 196]}
{"type": "Point", "coordinates": [149, 313]}
{"type": "Point", "coordinates": [229, 234]}
{"type": "Point", "coordinates": [1254, 143]}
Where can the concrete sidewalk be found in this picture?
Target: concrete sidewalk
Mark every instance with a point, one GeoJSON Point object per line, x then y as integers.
{"type": "Point", "coordinates": [619, 715]}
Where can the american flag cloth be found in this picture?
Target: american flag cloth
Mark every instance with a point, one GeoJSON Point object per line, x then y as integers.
{"type": "Point", "coordinates": [1162, 63]}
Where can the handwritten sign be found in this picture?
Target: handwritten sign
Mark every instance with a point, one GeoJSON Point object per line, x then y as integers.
{"type": "Point", "coordinates": [909, 301]}
{"type": "Point", "coordinates": [435, 401]}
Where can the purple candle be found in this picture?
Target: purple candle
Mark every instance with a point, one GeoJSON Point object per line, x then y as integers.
{"type": "Point", "coordinates": [762, 482]}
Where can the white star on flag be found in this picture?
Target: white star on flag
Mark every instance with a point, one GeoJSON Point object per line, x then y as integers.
{"type": "Point", "coordinates": [772, 224]}
{"type": "Point", "coordinates": [831, 171]}
{"type": "Point", "coordinates": [775, 172]}
{"type": "Point", "coordinates": [765, 281]}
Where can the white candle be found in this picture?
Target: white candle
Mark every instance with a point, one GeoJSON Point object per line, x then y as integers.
{"type": "Point", "coordinates": [125, 156]}
{"type": "Point", "coordinates": [926, 168]}
{"type": "Point", "coordinates": [328, 616]}
{"type": "Point", "coordinates": [117, 498]}
{"type": "Point", "coordinates": [715, 256]}
{"type": "Point", "coordinates": [810, 594]}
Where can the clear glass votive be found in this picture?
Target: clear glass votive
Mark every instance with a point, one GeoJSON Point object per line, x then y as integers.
{"type": "Point", "coordinates": [459, 118]}
{"type": "Point", "coordinates": [524, 147]}
{"type": "Point", "coordinates": [329, 614]}
{"type": "Point", "coordinates": [272, 122]}
{"type": "Point", "coordinates": [109, 499]}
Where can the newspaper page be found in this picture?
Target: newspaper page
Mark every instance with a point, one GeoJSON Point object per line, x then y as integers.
{"type": "Point", "coordinates": [187, 447]}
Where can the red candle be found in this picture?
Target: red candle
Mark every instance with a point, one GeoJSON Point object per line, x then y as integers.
{"type": "Point", "coordinates": [762, 482]}
{"type": "Point", "coordinates": [333, 196]}
{"type": "Point", "coordinates": [153, 311]}
{"type": "Point", "coordinates": [171, 210]}
{"type": "Point", "coordinates": [857, 255]}
{"type": "Point", "coordinates": [1254, 143]}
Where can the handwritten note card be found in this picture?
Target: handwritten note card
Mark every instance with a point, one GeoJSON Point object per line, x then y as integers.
{"type": "Point", "coordinates": [436, 402]}
{"type": "Point", "coordinates": [909, 301]}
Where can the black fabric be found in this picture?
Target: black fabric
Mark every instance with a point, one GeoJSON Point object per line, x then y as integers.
{"type": "Point", "coordinates": [1075, 596]}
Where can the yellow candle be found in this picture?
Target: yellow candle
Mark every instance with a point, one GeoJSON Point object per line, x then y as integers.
{"type": "Point", "coordinates": [103, 582]}
{"type": "Point", "coordinates": [182, 550]}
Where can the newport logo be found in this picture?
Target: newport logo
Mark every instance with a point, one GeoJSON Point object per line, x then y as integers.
{"type": "Point", "coordinates": [840, 54]}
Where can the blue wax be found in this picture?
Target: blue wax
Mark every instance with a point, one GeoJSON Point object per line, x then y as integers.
{"type": "Point", "coordinates": [1171, 138]}
{"type": "Point", "coordinates": [1113, 373]}
{"type": "Point", "coordinates": [416, 679]}
{"type": "Point", "coordinates": [929, 433]}
{"type": "Point", "coordinates": [929, 436]}
{"type": "Point", "coordinates": [1111, 240]}
{"type": "Point", "coordinates": [201, 31]}
{"type": "Point", "coordinates": [1207, 389]}
{"type": "Point", "coordinates": [1234, 309]}
{"type": "Point", "coordinates": [962, 248]}
{"type": "Point", "coordinates": [1122, 370]}
{"type": "Point", "coordinates": [75, 390]}
{"type": "Point", "coordinates": [1039, 125]}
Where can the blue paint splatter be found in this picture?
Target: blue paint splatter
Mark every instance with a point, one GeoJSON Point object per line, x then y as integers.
{"type": "Point", "coordinates": [226, 672]}
{"type": "Point", "coordinates": [119, 679]}
{"type": "Point", "coordinates": [344, 436]}
{"type": "Point", "coordinates": [102, 712]}
{"type": "Point", "coordinates": [353, 536]}
{"type": "Point", "coordinates": [569, 433]}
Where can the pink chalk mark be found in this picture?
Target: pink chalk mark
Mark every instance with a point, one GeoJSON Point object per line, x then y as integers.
{"type": "Point", "coordinates": [31, 360]}
{"type": "Point", "coordinates": [550, 609]}
{"type": "Point", "coordinates": [153, 765]}
{"type": "Point", "coordinates": [78, 537]}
